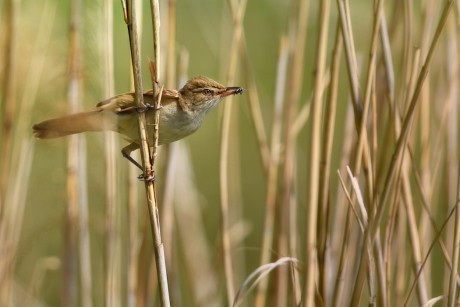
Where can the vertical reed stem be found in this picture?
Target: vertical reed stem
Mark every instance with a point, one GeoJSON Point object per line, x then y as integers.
{"type": "Point", "coordinates": [315, 148]}
{"type": "Point", "coordinates": [148, 159]}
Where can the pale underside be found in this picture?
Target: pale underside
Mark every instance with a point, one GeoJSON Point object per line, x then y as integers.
{"type": "Point", "coordinates": [176, 121]}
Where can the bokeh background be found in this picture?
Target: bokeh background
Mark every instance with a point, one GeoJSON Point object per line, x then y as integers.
{"type": "Point", "coordinates": [40, 243]}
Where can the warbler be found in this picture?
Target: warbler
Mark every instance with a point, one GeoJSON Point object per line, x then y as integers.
{"type": "Point", "coordinates": [182, 113]}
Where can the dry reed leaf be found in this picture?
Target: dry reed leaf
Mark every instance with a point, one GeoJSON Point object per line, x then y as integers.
{"type": "Point", "coordinates": [434, 300]}
{"type": "Point", "coordinates": [255, 277]}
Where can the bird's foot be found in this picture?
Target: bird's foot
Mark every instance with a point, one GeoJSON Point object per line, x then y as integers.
{"type": "Point", "coordinates": [147, 177]}
{"type": "Point", "coordinates": [144, 107]}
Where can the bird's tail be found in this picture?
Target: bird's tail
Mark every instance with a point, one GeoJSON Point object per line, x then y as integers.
{"type": "Point", "coordinates": [71, 124]}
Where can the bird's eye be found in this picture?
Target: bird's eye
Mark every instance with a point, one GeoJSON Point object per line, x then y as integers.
{"type": "Point", "coordinates": [207, 91]}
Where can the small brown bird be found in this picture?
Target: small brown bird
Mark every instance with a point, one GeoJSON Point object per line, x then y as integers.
{"type": "Point", "coordinates": [181, 114]}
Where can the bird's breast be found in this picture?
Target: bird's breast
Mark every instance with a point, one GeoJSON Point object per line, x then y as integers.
{"type": "Point", "coordinates": [176, 123]}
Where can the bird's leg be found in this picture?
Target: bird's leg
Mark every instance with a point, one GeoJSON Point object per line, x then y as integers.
{"type": "Point", "coordinates": [145, 107]}
{"type": "Point", "coordinates": [126, 152]}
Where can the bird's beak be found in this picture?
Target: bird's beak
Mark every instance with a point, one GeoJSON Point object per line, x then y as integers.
{"type": "Point", "coordinates": [233, 90]}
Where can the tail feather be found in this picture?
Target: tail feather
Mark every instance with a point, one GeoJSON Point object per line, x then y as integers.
{"type": "Point", "coordinates": [71, 124]}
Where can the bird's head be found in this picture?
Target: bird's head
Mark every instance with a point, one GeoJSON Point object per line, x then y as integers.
{"type": "Point", "coordinates": [202, 93]}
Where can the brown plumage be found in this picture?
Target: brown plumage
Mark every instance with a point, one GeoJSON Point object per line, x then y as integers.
{"type": "Point", "coordinates": [181, 114]}
{"type": "Point", "coordinates": [71, 124]}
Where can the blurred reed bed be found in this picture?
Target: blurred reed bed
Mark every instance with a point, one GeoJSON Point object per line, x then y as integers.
{"type": "Point", "coordinates": [353, 186]}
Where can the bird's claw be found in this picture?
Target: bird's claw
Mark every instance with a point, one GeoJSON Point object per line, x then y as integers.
{"type": "Point", "coordinates": [147, 177]}
{"type": "Point", "coordinates": [143, 107]}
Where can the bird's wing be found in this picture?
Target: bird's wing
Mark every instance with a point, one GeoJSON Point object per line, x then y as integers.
{"type": "Point", "coordinates": [117, 103]}
{"type": "Point", "coordinates": [169, 94]}
{"type": "Point", "coordinates": [125, 102]}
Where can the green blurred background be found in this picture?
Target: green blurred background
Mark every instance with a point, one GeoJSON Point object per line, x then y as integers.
{"type": "Point", "coordinates": [204, 31]}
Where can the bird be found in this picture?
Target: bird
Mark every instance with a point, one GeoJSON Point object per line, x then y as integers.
{"type": "Point", "coordinates": [181, 114]}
